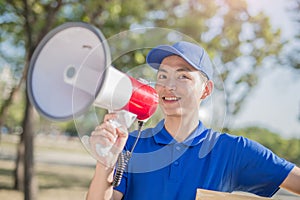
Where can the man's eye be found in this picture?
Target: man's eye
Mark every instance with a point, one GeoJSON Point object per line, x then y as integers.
{"type": "Point", "coordinates": [161, 76]}
{"type": "Point", "coordinates": [182, 76]}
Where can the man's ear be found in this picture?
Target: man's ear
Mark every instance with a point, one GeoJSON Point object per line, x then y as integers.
{"type": "Point", "coordinates": [208, 89]}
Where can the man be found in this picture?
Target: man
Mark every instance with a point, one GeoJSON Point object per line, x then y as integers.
{"type": "Point", "coordinates": [179, 155]}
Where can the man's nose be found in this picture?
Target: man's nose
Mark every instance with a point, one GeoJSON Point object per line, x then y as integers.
{"type": "Point", "coordinates": [170, 84]}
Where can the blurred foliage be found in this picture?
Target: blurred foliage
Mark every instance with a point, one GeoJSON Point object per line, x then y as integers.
{"type": "Point", "coordinates": [288, 149]}
{"type": "Point", "coordinates": [14, 115]}
{"type": "Point", "coordinates": [239, 43]}
{"type": "Point", "coordinates": [292, 57]}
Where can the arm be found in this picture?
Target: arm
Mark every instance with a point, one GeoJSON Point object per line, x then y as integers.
{"type": "Point", "coordinates": [101, 185]}
{"type": "Point", "coordinates": [292, 181]}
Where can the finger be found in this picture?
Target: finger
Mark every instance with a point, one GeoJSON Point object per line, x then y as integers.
{"type": "Point", "coordinates": [110, 116]}
{"type": "Point", "coordinates": [122, 138]}
{"type": "Point", "coordinates": [106, 126]}
{"type": "Point", "coordinates": [108, 134]}
{"type": "Point", "coordinates": [100, 139]}
{"type": "Point", "coordinates": [109, 127]}
{"type": "Point", "coordinates": [96, 130]}
{"type": "Point", "coordinates": [122, 131]}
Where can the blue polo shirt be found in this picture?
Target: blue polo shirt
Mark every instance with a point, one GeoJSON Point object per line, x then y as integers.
{"type": "Point", "coordinates": [162, 168]}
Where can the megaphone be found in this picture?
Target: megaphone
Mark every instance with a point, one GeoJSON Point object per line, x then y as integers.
{"type": "Point", "coordinates": [71, 69]}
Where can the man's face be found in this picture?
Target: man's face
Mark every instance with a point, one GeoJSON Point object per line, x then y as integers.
{"type": "Point", "coordinates": [179, 87]}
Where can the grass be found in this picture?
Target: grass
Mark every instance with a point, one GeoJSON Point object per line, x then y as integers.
{"type": "Point", "coordinates": [56, 180]}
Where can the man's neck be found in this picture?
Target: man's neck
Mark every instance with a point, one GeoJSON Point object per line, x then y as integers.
{"type": "Point", "coordinates": [181, 127]}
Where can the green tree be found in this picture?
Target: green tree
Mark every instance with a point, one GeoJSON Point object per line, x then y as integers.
{"type": "Point", "coordinates": [292, 151]}
{"type": "Point", "coordinates": [288, 149]}
{"type": "Point", "coordinates": [292, 57]}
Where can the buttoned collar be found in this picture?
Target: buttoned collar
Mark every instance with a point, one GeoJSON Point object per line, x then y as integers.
{"type": "Point", "coordinates": [161, 135]}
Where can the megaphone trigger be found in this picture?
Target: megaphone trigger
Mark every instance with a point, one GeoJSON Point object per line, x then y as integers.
{"type": "Point", "coordinates": [123, 119]}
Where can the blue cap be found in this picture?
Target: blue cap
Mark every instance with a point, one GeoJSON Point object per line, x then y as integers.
{"type": "Point", "coordinates": [195, 55]}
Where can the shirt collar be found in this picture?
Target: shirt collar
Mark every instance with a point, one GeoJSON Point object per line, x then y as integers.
{"type": "Point", "coordinates": [161, 135]}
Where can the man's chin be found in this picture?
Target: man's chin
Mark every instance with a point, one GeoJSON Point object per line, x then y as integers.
{"type": "Point", "coordinates": [173, 113]}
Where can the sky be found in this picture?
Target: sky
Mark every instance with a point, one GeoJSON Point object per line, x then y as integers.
{"type": "Point", "coordinates": [275, 103]}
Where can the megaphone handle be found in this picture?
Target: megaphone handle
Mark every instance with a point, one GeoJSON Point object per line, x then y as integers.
{"type": "Point", "coordinates": [124, 119]}
{"type": "Point", "coordinates": [116, 124]}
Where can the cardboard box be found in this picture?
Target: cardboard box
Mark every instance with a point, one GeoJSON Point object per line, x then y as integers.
{"type": "Point", "coordinates": [214, 195]}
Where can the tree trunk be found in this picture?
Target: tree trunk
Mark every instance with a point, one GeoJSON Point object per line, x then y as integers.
{"type": "Point", "coordinates": [25, 179]}
{"type": "Point", "coordinates": [30, 184]}
{"type": "Point", "coordinates": [19, 169]}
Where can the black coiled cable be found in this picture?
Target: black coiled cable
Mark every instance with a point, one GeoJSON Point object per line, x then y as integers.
{"type": "Point", "coordinates": [124, 158]}
{"type": "Point", "coordinates": [121, 165]}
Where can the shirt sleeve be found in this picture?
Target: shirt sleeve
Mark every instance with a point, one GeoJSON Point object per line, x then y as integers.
{"type": "Point", "coordinates": [259, 170]}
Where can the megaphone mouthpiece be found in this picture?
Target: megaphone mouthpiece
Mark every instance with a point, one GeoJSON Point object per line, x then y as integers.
{"type": "Point", "coordinates": [143, 101]}
{"type": "Point", "coordinates": [122, 92]}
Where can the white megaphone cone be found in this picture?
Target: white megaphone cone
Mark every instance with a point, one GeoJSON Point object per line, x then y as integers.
{"type": "Point", "coordinates": [70, 71]}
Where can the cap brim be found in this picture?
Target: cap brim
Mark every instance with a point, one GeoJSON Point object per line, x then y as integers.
{"type": "Point", "coordinates": [156, 55]}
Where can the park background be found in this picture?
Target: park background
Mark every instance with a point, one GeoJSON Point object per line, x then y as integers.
{"type": "Point", "coordinates": [254, 44]}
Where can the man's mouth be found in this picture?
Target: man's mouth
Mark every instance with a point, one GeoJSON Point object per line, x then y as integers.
{"type": "Point", "coordinates": [171, 98]}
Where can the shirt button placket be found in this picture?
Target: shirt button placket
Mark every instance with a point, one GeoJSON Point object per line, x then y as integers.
{"type": "Point", "coordinates": [175, 166]}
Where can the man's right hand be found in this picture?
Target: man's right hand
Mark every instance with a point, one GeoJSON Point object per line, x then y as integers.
{"type": "Point", "coordinates": [107, 141]}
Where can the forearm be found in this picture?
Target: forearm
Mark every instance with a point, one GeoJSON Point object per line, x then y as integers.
{"type": "Point", "coordinates": [292, 182]}
{"type": "Point", "coordinates": [100, 187]}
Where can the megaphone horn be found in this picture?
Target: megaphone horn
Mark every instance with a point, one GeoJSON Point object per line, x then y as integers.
{"type": "Point", "coordinates": [70, 70]}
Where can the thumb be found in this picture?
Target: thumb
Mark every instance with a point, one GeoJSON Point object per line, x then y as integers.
{"type": "Point", "coordinates": [122, 137]}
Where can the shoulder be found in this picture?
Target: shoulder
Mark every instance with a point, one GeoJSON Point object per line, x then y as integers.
{"type": "Point", "coordinates": [233, 140]}
{"type": "Point", "coordinates": [248, 150]}
{"type": "Point", "coordinates": [242, 146]}
{"type": "Point", "coordinates": [240, 141]}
